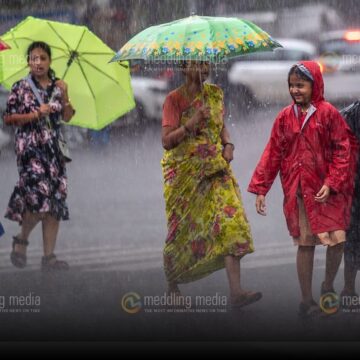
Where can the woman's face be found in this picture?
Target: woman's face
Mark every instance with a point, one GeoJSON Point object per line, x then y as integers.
{"type": "Point", "coordinates": [300, 90]}
{"type": "Point", "coordinates": [39, 62]}
{"type": "Point", "coordinates": [197, 70]}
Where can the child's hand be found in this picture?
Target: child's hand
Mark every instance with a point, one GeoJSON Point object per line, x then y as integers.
{"type": "Point", "coordinates": [323, 194]}
{"type": "Point", "coordinates": [260, 205]}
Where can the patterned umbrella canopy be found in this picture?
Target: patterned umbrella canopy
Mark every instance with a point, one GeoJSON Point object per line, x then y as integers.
{"type": "Point", "coordinates": [200, 38]}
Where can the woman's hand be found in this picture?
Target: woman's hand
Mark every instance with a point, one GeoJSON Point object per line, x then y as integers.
{"type": "Point", "coordinates": [61, 84]}
{"type": "Point", "coordinates": [44, 110]}
{"type": "Point", "coordinates": [260, 205]}
{"type": "Point", "coordinates": [228, 152]}
{"type": "Point", "coordinates": [201, 113]}
{"type": "Point", "coordinates": [323, 194]}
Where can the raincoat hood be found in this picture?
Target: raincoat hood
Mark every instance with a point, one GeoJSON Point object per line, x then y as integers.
{"type": "Point", "coordinates": [318, 86]}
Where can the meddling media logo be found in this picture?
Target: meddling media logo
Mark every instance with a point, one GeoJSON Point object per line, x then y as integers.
{"type": "Point", "coordinates": [329, 303]}
{"type": "Point", "coordinates": [131, 302]}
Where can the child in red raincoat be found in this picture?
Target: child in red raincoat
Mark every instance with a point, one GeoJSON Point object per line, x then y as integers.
{"type": "Point", "coordinates": [310, 146]}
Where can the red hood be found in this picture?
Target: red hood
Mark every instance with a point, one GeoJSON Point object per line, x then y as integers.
{"type": "Point", "coordinates": [318, 87]}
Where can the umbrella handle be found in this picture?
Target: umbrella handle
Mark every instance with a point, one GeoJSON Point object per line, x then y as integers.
{"type": "Point", "coordinates": [202, 89]}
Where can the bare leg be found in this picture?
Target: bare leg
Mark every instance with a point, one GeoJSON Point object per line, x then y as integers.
{"type": "Point", "coordinates": [349, 277]}
{"type": "Point", "coordinates": [50, 228]}
{"type": "Point", "coordinates": [305, 265]}
{"type": "Point", "coordinates": [333, 259]}
{"type": "Point", "coordinates": [29, 222]}
{"type": "Point", "coordinates": [238, 296]}
{"type": "Point", "coordinates": [232, 265]}
{"type": "Point", "coordinates": [173, 288]}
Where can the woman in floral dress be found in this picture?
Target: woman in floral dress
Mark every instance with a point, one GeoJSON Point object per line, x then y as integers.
{"type": "Point", "coordinates": [207, 225]}
{"type": "Point", "coordinates": [40, 193]}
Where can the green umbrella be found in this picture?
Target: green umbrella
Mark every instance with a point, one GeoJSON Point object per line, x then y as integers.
{"type": "Point", "coordinates": [197, 38]}
{"type": "Point", "coordinates": [100, 94]}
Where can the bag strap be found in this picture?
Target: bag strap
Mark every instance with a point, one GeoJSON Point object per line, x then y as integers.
{"type": "Point", "coordinates": [34, 89]}
{"type": "Point", "coordinates": [38, 97]}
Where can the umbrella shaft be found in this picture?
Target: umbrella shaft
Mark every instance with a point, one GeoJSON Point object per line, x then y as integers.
{"type": "Point", "coordinates": [73, 55]}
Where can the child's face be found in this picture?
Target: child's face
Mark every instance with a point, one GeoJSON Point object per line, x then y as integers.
{"type": "Point", "coordinates": [300, 90]}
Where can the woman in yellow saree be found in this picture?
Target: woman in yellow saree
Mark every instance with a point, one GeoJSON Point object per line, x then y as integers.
{"type": "Point", "coordinates": [207, 225]}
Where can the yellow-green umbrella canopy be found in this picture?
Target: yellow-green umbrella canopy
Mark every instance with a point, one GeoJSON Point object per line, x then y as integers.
{"type": "Point", "coordinates": [100, 92]}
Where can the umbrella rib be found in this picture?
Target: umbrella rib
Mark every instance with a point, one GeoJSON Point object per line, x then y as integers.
{"type": "Point", "coordinates": [87, 81]}
{"type": "Point", "coordinates": [12, 75]}
{"type": "Point", "coordinates": [30, 40]}
{"type": "Point", "coordinates": [101, 71]}
{"type": "Point", "coordinates": [59, 36]}
{"type": "Point", "coordinates": [97, 53]}
{"type": "Point", "coordinates": [59, 57]}
{"type": "Point", "coordinates": [77, 46]}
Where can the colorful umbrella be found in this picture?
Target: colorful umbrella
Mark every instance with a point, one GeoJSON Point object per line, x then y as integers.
{"type": "Point", "coordinates": [100, 94]}
{"type": "Point", "coordinates": [4, 46]}
{"type": "Point", "coordinates": [197, 38]}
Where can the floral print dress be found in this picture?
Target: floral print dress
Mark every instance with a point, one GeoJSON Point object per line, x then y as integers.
{"type": "Point", "coordinates": [42, 184]}
{"type": "Point", "coordinates": [206, 219]}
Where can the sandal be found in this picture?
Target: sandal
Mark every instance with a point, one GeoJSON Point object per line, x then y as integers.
{"type": "Point", "coordinates": [18, 259]}
{"type": "Point", "coordinates": [324, 291]}
{"type": "Point", "coordinates": [49, 263]}
{"type": "Point", "coordinates": [308, 310]}
{"type": "Point", "coordinates": [246, 299]}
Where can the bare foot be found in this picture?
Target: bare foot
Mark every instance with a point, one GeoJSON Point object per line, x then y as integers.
{"type": "Point", "coordinates": [174, 289]}
{"type": "Point", "coordinates": [245, 298]}
{"type": "Point", "coordinates": [18, 248]}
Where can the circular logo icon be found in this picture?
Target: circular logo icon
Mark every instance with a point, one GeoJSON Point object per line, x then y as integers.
{"type": "Point", "coordinates": [131, 302]}
{"type": "Point", "coordinates": [329, 303]}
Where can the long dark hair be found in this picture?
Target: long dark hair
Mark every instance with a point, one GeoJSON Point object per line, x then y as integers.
{"type": "Point", "coordinates": [44, 46]}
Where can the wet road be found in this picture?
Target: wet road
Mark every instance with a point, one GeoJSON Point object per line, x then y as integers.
{"type": "Point", "coordinates": [114, 241]}
{"type": "Point", "coordinates": [117, 207]}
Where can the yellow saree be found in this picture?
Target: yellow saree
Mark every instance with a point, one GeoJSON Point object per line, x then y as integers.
{"type": "Point", "coordinates": [206, 220]}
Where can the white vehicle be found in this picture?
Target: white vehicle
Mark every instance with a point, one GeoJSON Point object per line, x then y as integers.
{"type": "Point", "coordinates": [340, 63]}
{"type": "Point", "coordinates": [306, 21]}
{"type": "Point", "coordinates": [263, 76]}
{"type": "Point", "coordinates": [149, 96]}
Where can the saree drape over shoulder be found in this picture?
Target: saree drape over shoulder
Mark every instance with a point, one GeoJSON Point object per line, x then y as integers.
{"type": "Point", "coordinates": [206, 220]}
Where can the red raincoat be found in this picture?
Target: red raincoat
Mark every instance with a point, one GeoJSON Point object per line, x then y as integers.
{"type": "Point", "coordinates": [322, 152]}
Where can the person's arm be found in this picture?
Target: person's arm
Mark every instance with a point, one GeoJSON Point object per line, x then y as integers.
{"type": "Point", "coordinates": [173, 136]}
{"type": "Point", "coordinates": [229, 147]}
{"type": "Point", "coordinates": [172, 132]}
{"type": "Point", "coordinates": [340, 154]}
{"type": "Point", "coordinates": [11, 115]}
{"type": "Point", "coordinates": [267, 168]}
{"type": "Point", "coordinates": [270, 161]}
{"type": "Point", "coordinates": [67, 109]}
{"type": "Point", "coordinates": [21, 119]}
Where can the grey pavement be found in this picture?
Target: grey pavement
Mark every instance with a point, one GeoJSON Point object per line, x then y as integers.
{"type": "Point", "coordinates": [114, 242]}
